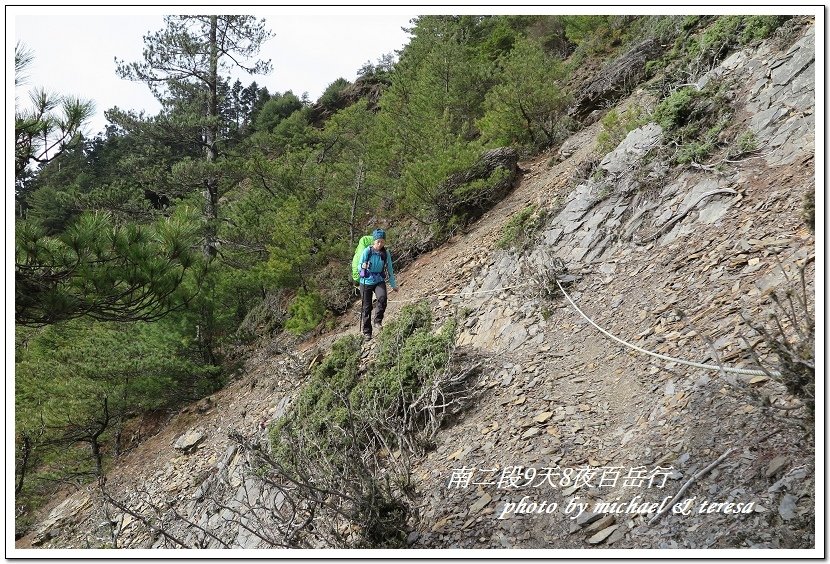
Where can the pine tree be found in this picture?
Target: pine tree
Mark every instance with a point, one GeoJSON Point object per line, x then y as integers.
{"type": "Point", "coordinates": [524, 106]}
{"type": "Point", "coordinates": [101, 269]}
{"type": "Point", "coordinates": [194, 54]}
{"type": "Point", "coordinates": [49, 125]}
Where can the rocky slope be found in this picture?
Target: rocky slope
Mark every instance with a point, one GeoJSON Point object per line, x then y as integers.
{"type": "Point", "coordinates": [668, 260]}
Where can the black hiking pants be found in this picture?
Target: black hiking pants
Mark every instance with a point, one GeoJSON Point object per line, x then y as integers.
{"type": "Point", "coordinates": [366, 293]}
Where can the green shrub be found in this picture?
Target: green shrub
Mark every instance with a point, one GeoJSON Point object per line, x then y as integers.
{"type": "Point", "coordinates": [757, 28]}
{"type": "Point", "coordinates": [581, 28]}
{"type": "Point", "coordinates": [693, 120]}
{"type": "Point", "coordinates": [473, 198]}
{"type": "Point", "coordinates": [320, 411]}
{"type": "Point", "coordinates": [654, 66]}
{"type": "Point", "coordinates": [409, 356]}
{"type": "Point", "coordinates": [263, 318]}
{"type": "Point", "coordinates": [335, 400]}
{"type": "Point", "coordinates": [528, 104]}
{"type": "Point", "coordinates": [695, 55]}
{"type": "Point", "coordinates": [521, 227]}
{"type": "Point", "coordinates": [694, 151]}
{"type": "Point", "coordinates": [480, 190]}
{"type": "Point", "coordinates": [409, 319]}
{"type": "Point", "coordinates": [674, 111]}
{"type": "Point", "coordinates": [305, 313]}
{"type": "Point", "coordinates": [426, 188]}
{"type": "Point", "coordinates": [78, 383]}
{"type": "Point", "coordinates": [344, 417]}
{"type": "Point", "coordinates": [279, 107]}
{"type": "Point", "coordinates": [747, 142]}
{"type": "Point", "coordinates": [718, 38]}
{"type": "Point", "coordinates": [689, 22]}
{"type": "Point", "coordinates": [332, 98]}
{"type": "Point", "coordinates": [600, 34]}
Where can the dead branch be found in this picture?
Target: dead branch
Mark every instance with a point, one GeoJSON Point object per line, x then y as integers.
{"type": "Point", "coordinates": [147, 522]}
{"type": "Point", "coordinates": [685, 487]}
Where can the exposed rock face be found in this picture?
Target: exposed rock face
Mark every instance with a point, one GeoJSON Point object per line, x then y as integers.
{"type": "Point", "coordinates": [782, 101]}
{"type": "Point", "coordinates": [603, 216]}
{"type": "Point", "coordinates": [657, 265]}
{"type": "Point", "coordinates": [64, 513]}
{"type": "Point", "coordinates": [365, 87]}
{"type": "Point", "coordinates": [615, 80]}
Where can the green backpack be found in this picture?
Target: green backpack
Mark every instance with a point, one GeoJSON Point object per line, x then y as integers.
{"type": "Point", "coordinates": [365, 241]}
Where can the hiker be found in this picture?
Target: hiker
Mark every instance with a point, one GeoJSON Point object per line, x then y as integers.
{"type": "Point", "coordinates": [373, 262]}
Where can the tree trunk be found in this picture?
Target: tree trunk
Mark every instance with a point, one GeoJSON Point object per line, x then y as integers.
{"type": "Point", "coordinates": [528, 121]}
{"type": "Point", "coordinates": [211, 185]}
{"type": "Point", "coordinates": [95, 444]}
{"type": "Point", "coordinates": [358, 184]}
{"type": "Point", "coordinates": [25, 456]}
{"type": "Point", "coordinates": [211, 135]}
{"type": "Point", "coordinates": [96, 454]}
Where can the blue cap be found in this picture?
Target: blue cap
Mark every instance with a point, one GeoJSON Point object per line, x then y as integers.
{"type": "Point", "coordinates": [378, 234]}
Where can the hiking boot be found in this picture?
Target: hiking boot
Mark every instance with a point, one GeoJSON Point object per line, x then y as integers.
{"type": "Point", "coordinates": [377, 325]}
{"type": "Point", "coordinates": [367, 336]}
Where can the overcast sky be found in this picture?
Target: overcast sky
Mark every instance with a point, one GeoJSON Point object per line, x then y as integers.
{"type": "Point", "coordinates": [75, 50]}
{"type": "Point", "coordinates": [75, 47]}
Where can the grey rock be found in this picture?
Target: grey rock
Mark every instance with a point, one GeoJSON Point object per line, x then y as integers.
{"type": "Point", "coordinates": [551, 236]}
{"type": "Point", "coordinates": [715, 209]}
{"type": "Point", "coordinates": [45, 536]}
{"type": "Point", "coordinates": [602, 535]}
{"type": "Point", "coordinates": [786, 509]}
{"type": "Point", "coordinates": [565, 279]}
{"type": "Point", "coordinates": [62, 514]}
{"type": "Point", "coordinates": [608, 268]}
{"type": "Point", "coordinates": [587, 518]}
{"type": "Point", "coordinates": [775, 466]}
{"type": "Point", "coordinates": [789, 480]}
{"type": "Point", "coordinates": [532, 432]}
{"type": "Point", "coordinates": [636, 144]}
{"type": "Point", "coordinates": [577, 254]}
{"type": "Point", "coordinates": [616, 536]}
{"type": "Point", "coordinates": [801, 58]}
{"type": "Point", "coordinates": [514, 335]}
{"type": "Point", "coordinates": [190, 441]}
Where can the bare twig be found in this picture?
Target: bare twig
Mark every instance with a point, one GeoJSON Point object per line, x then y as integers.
{"type": "Point", "coordinates": [691, 480]}
{"type": "Point", "coordinates": [142, 518]}
{"type": "Point", "coordinates": [768, 436]}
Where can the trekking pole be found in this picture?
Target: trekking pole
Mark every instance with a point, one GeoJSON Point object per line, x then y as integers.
{"type": "Point", "coordinates": [362, 304]}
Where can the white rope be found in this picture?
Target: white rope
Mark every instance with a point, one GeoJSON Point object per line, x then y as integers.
{"type": "Point", "coordinates": [662, 356]}
{"type": "Point", "coordinates": [745, 371]}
